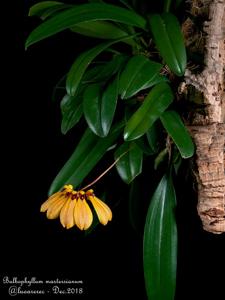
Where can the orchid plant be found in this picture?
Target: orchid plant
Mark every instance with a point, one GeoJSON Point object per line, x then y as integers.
{"type": "Point", "coordinates": [123, 88]}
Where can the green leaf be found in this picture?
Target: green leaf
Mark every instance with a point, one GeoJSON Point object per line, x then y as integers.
{"type": "Point", "coordinates": [99, 29]}
{"type": "Point", "coordinates": [92, 108]}
{"type": "Point", "coordinates": [154, 81]}
{"type": "Point", "coordinates": [99, 107]}
{"type": "Point", "coordinates": [81, 64]}
{"type": "Point", "coordinates": [103, 72]}
{"type": "Point", "coordinates": [46, 8]}
{"type": "Point", "coordinates": [84, 13]}
{"type": "Point", "coordinates": [142, 143]}
{"type": "Point", "coordinates": [84, 158]}
{"type": "Point", "coordinates": [130, 163]}
{"type": "Point", "coordinates": [92, 73]}
{"type": "Point", "coordinates": [176, 129]}
{"type": "Point", "coordinates": [139, 72]}
{"type": "Point", "coordinates": [157, 101]}
{"type": "Point", "coordinates": [166, 6]}
{"type": "Point", "coordinates": [71, 109]}
{"type": "Point", "coordinates": [153, 137]}
{"type": "Point", "coordinates": [176, 160]}
{"type": "Point", "coordinates": [169, 41]}
{"type": "Point", "coordinates": [108, 105]}
{"type": "Point", "coordinates": [160, 158]}
{"type": "Point", "coordinates": [160, 243]}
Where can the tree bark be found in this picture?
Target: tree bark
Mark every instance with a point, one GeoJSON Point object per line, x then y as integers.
{"type": "Point", "coordinates": [208, 129]}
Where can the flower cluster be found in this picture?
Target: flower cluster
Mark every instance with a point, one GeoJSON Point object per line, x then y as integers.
{"type": "Point", "coordinates": [73, 209]}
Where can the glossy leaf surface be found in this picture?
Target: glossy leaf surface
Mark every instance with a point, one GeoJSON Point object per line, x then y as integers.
{"type": "Point", "coordinates": [84, 13]}
{"type": "Point", "coordinates": [168, 37]}
{"type": "Point", "coordinates": [157, 101]}
{"type": "Point", "coordinates": [176, 129]}
{"type": "Point", "coordinates": [160, 243]}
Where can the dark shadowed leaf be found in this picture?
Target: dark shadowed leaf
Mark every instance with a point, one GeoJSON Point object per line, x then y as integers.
{"type": "Point", "coordinates": [176, 160]}
{"type": "Point", "coordinates": [130, 164]}
{"type": "Point", "coordinates": [153, 137]}
{"type": "Point", "coordinates": [160, 243]}
{"type": "Point", "coordinates": [142, 143]}
{"type": "Point", "coordinates": [166, 5]}
{"type": "Point", "coordinates": [45, 9]}
{"type": "Point", "coordinates": [71, 109]}
{"type": "Point", "coordinates": [160, 158]}
{"type": "Point", "coordinates": [103, 72]}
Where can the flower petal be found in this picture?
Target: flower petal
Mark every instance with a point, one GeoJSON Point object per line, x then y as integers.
{"type": "Point", "coordinates": [67, 214]}
{"type": "Point", "coordinates": [54, 210]}
{"type": "Point", "coordinates": [50, 201]}
{"type": "Point", "coordinates": [104, 213]}
{"type": "Point", "coordinates": [83, 215]}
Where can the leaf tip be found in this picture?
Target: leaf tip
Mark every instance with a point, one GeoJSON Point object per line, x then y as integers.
{"type": "Point", "coordinates": [126, 136]}
{"type": "Point", "coordinates": [187, 155]}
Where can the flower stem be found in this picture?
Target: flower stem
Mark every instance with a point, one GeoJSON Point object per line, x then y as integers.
{"type": "Point", "coordinates": [106, 171]}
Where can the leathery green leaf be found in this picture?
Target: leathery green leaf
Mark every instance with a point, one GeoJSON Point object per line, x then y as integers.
{"type": "Point", "coordinates": [99, 107]}
{"type": "Point", "coordinates": [92, 108]}
{"type": "Point", "coordinates": [169, 41]}
{"type": "Point", "coordinates": [84, 13]}
{"type": "Point", "coordinates": [142, 143]}
{"type": "Point", "coordinates": [86, 155]}
{"type": "Point", "coordinates": [103, 72]}
{"type": "Point", "coordinates": [130, 163]}
{"type": "Point", "coordinates": [138, 73]}
{"type": "Point", "coordinates": [108, 105]}
{"type": "Point", "coordinates": [81, 64]}
{"type": "Point", "coordinates": [46, 8]}
{"type": "Point", "coordinates": [153, 137]}
{"type": "Point", "coordinates": [178, 132]}
{"type": "Point", "coordinates": [160, 158]}
{"type": "Point", "coordinates": [99, 29]}
{"type": "Point", "coordinates": [71, 109]}
{"type": "Point", "coordinates": [157, 101]}
{"type": "Point", "coordinates": [160, 243]}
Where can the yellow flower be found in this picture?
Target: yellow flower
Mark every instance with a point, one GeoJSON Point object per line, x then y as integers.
{"type": "Point", "coordinates": [72, 208]}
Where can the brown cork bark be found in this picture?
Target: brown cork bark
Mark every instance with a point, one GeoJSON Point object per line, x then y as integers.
{"type": "Point", "coordinates": [208, 129]}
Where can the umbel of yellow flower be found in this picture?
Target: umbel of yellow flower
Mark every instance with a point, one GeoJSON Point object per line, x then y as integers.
{"type": "Point", "coordinates": [72, 208]}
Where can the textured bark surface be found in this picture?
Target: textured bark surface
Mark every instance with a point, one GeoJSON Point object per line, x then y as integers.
{"type": "Point", "coordinates": [208, 129]}
{"type": "Point", "coordinates": [210, 142]}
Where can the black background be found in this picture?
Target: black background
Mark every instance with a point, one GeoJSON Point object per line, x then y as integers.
{"type": "Point", "coordinates": [109, 261]}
